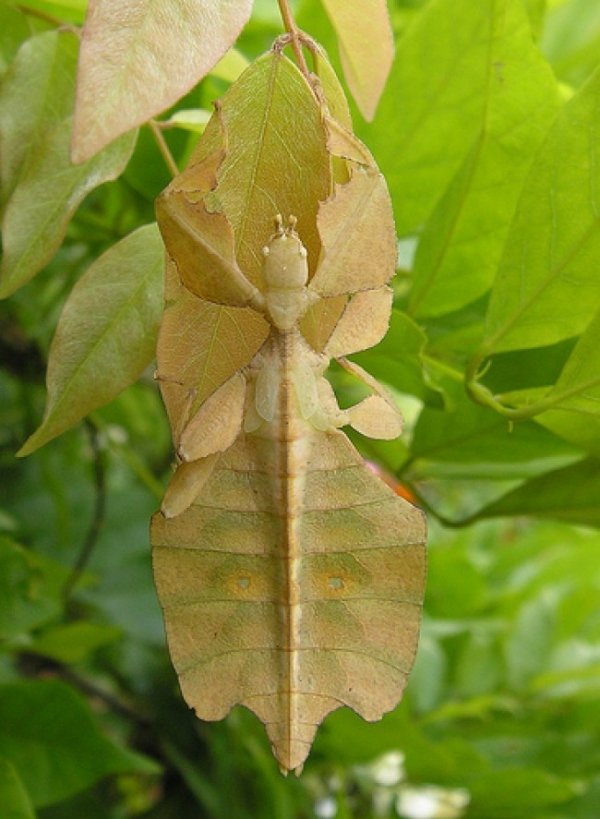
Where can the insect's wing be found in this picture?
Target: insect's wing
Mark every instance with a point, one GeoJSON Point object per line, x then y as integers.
{"type": "Point", "coordinates": [364, 322]}
{"type": "Point", "coordinates": [358, 236]}
{"type": "Point", "coordinates": [335, 622]}
{"type": "Point", "coordinates": [200, 346]}
{"type": "Point", "coordinates": [200, 242]}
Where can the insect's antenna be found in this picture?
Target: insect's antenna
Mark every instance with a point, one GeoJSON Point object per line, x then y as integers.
{"type": "Point", "coordinates": [291, 227]}
{"type": "Point", "coordinates": [279, 229]}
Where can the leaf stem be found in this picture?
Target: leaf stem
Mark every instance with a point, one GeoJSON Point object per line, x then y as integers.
{"type": "Point", "coordinates": [41, 15]}
{"type": "Point", "coordinates": [484, 396]}
{"type": "Point", "coordinates": [290, 26]}
{"type": "Point", "coordinates": [163, 147]}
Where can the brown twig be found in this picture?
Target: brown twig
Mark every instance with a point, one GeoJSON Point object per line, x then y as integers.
{"type": "Point", "coordinates": [163, 147]}
{"type": "Point", "coordinates": [295, 35]}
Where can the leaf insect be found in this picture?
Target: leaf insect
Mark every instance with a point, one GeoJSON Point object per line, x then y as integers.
{"type": "Point", "coordinates": [290, 576]}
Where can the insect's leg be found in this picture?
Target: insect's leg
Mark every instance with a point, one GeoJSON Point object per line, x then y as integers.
{"type": "Point", "coordinates": [211, 430]}
{"type": "Point", "coordinates": [376, 416]}
{"type": "Point", "coordinates": [186, 484]}
{"type": "Point", "coordinates": [363, 323]}
{"type": "Point", "coordinates": [183, 417]}
{"type": "Point", "coordinates": [217, 423]}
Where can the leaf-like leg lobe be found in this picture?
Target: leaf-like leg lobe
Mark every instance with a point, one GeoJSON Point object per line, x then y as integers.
{"type": "Point", "coordinates": [217, 423]}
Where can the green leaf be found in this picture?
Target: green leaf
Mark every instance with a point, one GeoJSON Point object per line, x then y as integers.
{"type": "Point", "coordinates": [193, 119]}
{"type": "Point", "coordinates": [73, 642]}
{"type": "Point", "coordinates": [45, 188]}
{"type": "Point", "coordinates": [69, 11]}
{"type": "Point", "coordinates": [14, 29]}
{"type": "Point", "coordinates": [13, 796]}
{"type": "Point", "coordinates": [43, 73]}
{"type": "Point", "coordinates": [30, 589]}
{"type": "Point", "coordinates": [547, 287]}
{"type": "Point", "coordinates": [513, 793]}
{"type": "Point", "coordinates": [575, 398]}
{"type": "Point", "coordinates": [230, 66]}
{"type": "Point", "coordinates": [116, 94]}
{"type": "Point", "coordinates": [571, 39]}
{"type": "Point", "coordinates": [459, 251]}
{"type": "Point", "coordinates": [568, 494]}
{"type": "Point", "coordinates": [474, 441]}
{"type": "Point", "coordinates": [536, 10]}
{"type": "Point", "coordinates": [397, 358]}
{"type": "Point", "coordinates": [106, 334]}
{"type": "Point", "coordinates": [50, 736]}
{"type": "Point", "coordinates": [433, 106]}
{"type": "Point", "coordinates": [531, 638]}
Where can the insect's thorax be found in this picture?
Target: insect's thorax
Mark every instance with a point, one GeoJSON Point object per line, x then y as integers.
{"type": "Point", "coordinates": [285, 272]}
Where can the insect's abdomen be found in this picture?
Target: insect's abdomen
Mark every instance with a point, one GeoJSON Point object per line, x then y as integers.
{"type": "Point", "coordinates": [292, 642]}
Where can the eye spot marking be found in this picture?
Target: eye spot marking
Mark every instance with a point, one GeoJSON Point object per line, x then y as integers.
{"type": "Point", "coordinates": [335, 583]}
{"type": "Point", "coordinates": [243, 583]}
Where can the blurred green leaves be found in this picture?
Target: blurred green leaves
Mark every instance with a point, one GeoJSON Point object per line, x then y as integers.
{"type": "Point", "coordinates": [13, 796]}
{"type": "Point", "coordinates": [49, 735]}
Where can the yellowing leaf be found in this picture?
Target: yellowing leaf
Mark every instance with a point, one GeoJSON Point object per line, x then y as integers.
{"type": "Point", "coordinates": [106, 333]}
{"type": "Point", "coordinates": [366, 47]}
{"type": "Point", "coordinates": [41, 187]}
{"type": "Point", "coordinates": [138, 58]}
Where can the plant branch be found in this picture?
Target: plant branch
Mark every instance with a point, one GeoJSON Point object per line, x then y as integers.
{"type": "Point", "coordinates": [290, 26]}
{"type": "Point", "coordinates": [449, 523]}
{"type": "Point", "coordinates": [98, 515]}
{"type": "Point", "coordinates": [163, 147]}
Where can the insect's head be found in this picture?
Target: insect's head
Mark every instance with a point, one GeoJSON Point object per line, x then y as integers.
{"type": "Point", "coordinates": [285, 264]}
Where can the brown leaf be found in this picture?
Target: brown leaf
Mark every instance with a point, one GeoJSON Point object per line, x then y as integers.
{"type": "Point", "coordinates": [138, 57]}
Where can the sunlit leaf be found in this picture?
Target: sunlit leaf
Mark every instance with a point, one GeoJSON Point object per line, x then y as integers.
{"type": "Point", "coordinates": [460, 248]}
{"type": "Point", "coordinates": [434, 106]}
{"type": "Point", "coordinates": [128, 52]}
{"type": "Point", "coordinates": [359, 26]}
{"type": "Point", "coordinates": [106, 334]}
{"type": "Point", "coordinates": [547, 287]}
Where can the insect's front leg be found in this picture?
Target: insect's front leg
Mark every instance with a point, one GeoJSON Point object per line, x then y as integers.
{"type": "Point", "coordinates": [210, 431]}
{"type": "Point", "coordinates": [377, 415]}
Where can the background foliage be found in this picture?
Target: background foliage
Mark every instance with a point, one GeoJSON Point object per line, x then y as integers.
{"type": "Point", "coordinates": [487, 132]}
